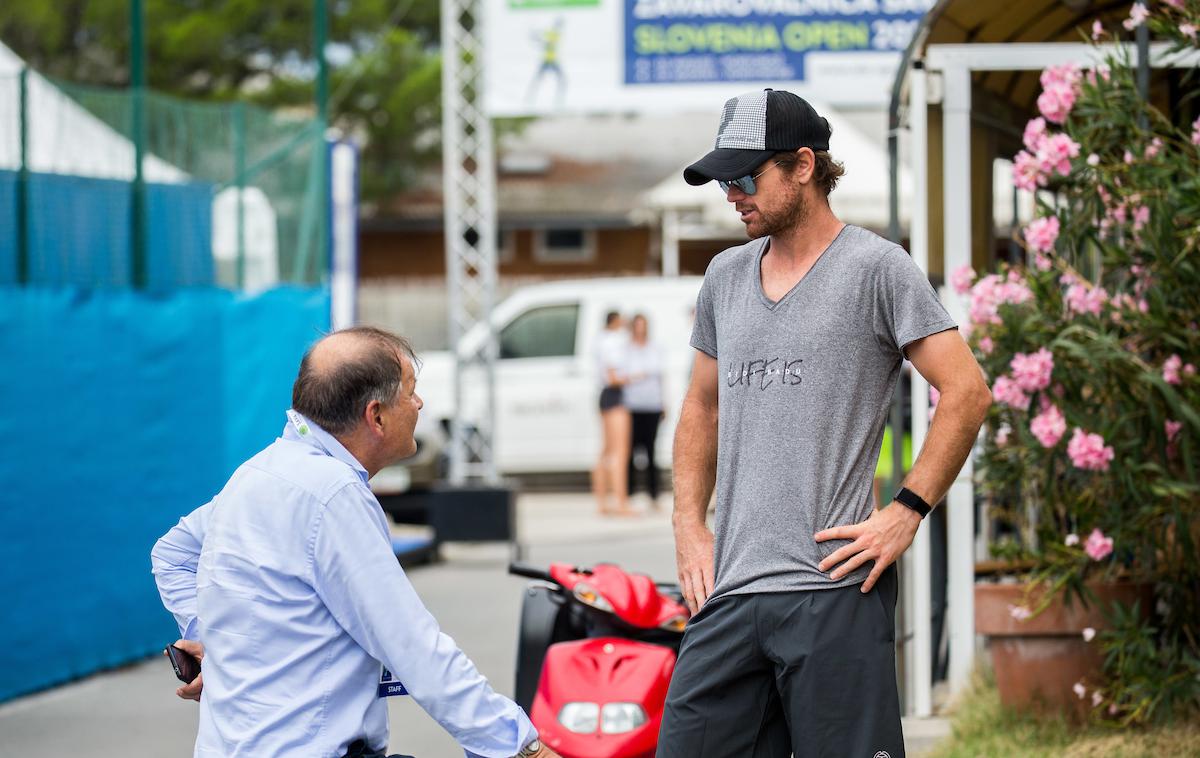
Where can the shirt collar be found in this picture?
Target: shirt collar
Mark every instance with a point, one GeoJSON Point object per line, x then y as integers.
{"type": "Point", "coordinates": [303, 430]}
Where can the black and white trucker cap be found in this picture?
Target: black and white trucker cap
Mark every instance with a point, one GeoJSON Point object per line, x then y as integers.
{"type": "Point", "coordinates": [755, 126]}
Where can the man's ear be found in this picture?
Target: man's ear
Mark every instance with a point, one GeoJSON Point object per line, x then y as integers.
{"type": "Point", "coordinates": [806, 163]}
{"type": "Point", "coordinates": [373, 415]}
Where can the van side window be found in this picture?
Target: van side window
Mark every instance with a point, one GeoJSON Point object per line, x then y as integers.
{"type": "Point", "coordinates": [541, 333]}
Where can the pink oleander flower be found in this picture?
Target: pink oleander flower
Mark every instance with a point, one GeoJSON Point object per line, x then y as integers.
{"type": "Point", "coordinates": [1056, 154]}
{"type": "Point", "coordinates": [1097, 698]}
{"type": "Point", "coordinates": [1097, 30]}
{"type": "Point", "coordinates": [1196, 131]}
{"type": "Point", "coordinates": [1098, 547]}
{"type": "Point", "coordinates": [1172, 429]}
{"type": "Point", "coordinates": [1042, 262]}
{"type": "Point", "coordinates": [1117, 213]}
{"type": "Point", "coordinates": [1176, 4]}
{"type": "Point", "coordinates": [1083, 299]}
{"type": "Point", "coordinates": [1072, 540]}
{"type": "Point", "coordinates": [1089, 634]}
{"type": "Point", "coordinates": [1006, 392]}
{"type": "Point", "coordinates": [1032, 372]}
{"type": "Point", "coordinates": [1128, 157]}
{"type": "Point", "coordinates": [990, 292]}
{"type": "Point", "coordinates": [1002, 435]}
{"type": "Point", "coordinates": [1154, 148]}
{"type": "Point", "coordinates": [1049, 426]}
{"type": "Point", "coordinates": [1141, 217]}
{"type": "Point", "coordinates": [1042, 233]}
{"type": "Point", "coordinates": [1137, 16]}
{"type": "Point", "coordinates": [985, 299]}
{"type": "Point", "coordinates": [1055, 105]}
{"type": "Point", "coordinates": [1019, 612]}
{"type": "Point", "coordinates": [1035, 133]}
{"type": "Point", "coordinates": [1027, 174]}
{"type": "Point", "coordinates": [962, 278]}
{"type": "Point", "coordinates": [986, 346]}
{"type": "Point", "coordinates": [1188, 30]}
{"type": "Point", "coordinates": [1088, 451]}
{"type": "Point", "coordinates": [1059, 90]}
{"type": "Point", "coordinates": [1171, 368]}
{"type": "Point", "coordinates": [1101, 71]}
{"type": "Point", "coordinates": [1079, 690]}
{"type": "Point", "coordinates": [1015, 292]}
{"type": "Point", "coordinates": [1093, 159]}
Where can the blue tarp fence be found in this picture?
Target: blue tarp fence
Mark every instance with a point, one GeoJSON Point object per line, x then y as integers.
{"type": "Point", "coordinates": [119, 412]}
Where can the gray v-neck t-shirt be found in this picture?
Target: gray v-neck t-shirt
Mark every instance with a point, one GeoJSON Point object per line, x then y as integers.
{"type": "Point", "coordinates": [804, 389]}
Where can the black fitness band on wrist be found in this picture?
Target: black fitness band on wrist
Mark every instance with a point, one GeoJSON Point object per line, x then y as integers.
{"type": "Point", "coordinates": [910, 499]}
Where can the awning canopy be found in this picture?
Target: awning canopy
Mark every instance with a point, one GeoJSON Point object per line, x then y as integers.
{"type": "Point", "coordinates": [1010, 96]}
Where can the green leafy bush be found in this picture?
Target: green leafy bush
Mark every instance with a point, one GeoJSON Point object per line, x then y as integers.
{"type": "Point", "coordinates": [1091, 348]}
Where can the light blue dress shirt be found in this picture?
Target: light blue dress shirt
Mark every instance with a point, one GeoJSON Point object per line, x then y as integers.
{"type": "Point", "coordinates": [288, 578]}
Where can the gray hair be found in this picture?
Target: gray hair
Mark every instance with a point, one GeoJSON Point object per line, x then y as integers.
{"type": "Point", "coordinates": [335, 397]}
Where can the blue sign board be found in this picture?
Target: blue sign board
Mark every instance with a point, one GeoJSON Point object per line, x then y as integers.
{"type": "Point", "coordinates": [704, 41]}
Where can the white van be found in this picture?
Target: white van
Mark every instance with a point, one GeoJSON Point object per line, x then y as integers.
{"type": "Point", "coordinates": [547, 384]}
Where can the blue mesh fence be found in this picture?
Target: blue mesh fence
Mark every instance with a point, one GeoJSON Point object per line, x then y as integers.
{"type": "Point", "coordinates": [233, 194]}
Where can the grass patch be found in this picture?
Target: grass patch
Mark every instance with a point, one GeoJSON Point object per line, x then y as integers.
{"type": "Point", "coordinates": [983, 728]}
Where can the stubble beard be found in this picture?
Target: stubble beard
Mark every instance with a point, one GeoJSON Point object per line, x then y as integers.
{"type": "Point", "coordinates": [790, 217]}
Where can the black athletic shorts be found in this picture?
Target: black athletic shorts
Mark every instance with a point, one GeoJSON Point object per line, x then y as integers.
{"type": "Point", "coordinates": [774, 674]}
{"type": "Point", "coordinates": [611, 397]}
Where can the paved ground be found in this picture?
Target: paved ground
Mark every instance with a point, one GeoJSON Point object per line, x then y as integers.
{"type": "Point", "coordinates": [132, 712]}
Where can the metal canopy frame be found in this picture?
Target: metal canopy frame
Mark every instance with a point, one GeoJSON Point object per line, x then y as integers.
{"type": "Point", "coordinates": [954, 64]}
{"type": "Point", "coordinates": [469, 207]}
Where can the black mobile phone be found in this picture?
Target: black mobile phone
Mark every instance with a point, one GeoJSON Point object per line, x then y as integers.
{"type": "Point", "coordinates": [186, 665]}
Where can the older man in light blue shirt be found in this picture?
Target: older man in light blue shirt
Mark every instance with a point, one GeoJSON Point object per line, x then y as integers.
{"type": "Point", "coordinates": [287, 584]}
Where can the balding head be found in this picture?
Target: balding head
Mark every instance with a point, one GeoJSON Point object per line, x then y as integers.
{"type": "Point", "coordinates": [346, 370]}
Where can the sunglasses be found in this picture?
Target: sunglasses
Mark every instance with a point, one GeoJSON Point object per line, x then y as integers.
{"type": "Point", "coordinates": [745, 183]}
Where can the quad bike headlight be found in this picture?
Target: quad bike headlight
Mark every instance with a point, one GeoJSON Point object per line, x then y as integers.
{"type": "Point", "coordinates": [618, 718]}
{"type": "Point", "coordinates": [581, 718]}
{"type": "Point", "coordinates": [587, 594]}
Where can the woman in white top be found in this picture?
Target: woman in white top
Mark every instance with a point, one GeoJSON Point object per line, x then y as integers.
{"type": "Point", "coordinates": [610, 474]}
{"type": "Point", "coordinates": [644, 399]}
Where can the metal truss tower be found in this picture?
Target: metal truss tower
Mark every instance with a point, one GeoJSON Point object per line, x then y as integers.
{"type": "Point", "coordinates": [469, 202]}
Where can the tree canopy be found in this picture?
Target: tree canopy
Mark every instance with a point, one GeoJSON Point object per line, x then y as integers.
{"type": "Point", "coordinates": [385, 73]}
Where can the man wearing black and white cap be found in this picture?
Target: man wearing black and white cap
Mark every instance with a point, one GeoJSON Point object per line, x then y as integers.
{"type": "Point", "coordinates": [800, 335]}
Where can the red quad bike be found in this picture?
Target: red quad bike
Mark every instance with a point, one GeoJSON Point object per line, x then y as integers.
{"type": "Point", "coordinates": [596, 652]}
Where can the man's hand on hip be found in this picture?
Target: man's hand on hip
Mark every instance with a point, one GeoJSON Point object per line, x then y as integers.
{"type": "Point", "coordinates": [694, 560]}
{"type": "Point", "coordinates": [191, 690]}
{"type": "Point", "coordinates": [881, 538]}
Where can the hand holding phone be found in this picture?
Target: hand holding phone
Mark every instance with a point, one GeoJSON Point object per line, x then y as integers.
{"type": "Point", "coordinates": [185, 657]}
{"type": "Point", "coordinates": [186, 665]}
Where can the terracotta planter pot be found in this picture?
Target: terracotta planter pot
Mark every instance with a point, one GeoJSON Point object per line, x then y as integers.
{"type": "Point", "coordinates": [1038, 660]}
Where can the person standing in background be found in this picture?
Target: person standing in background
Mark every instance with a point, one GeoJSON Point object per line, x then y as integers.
{"type": "Point", "coordinates": [644, 399]}
{"type": "Point", "coordinates": [609, 475]}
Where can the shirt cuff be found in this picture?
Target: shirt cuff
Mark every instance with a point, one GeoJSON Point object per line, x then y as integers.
{"type": "Point", "coordinates": [190, 632]}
